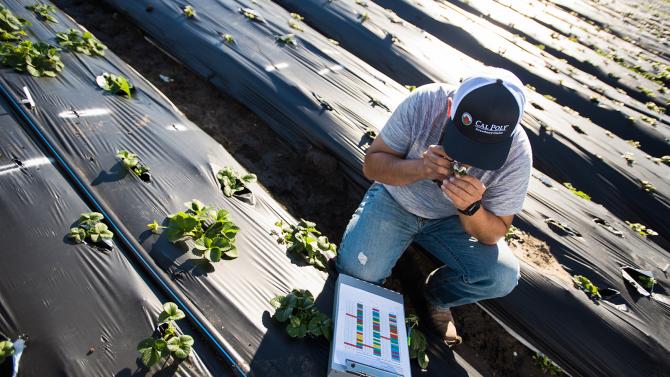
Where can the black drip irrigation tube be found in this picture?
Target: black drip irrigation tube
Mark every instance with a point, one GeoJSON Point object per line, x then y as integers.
{"type": "Point", "coordinates": [194, 315]}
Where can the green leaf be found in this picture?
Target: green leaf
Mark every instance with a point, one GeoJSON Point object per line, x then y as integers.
{"type": "Point", "coordinates": [151, 351]}
{"type": "Point", "coordinates": [6, 349]}
{"type": "Point", "coordinates": [171, 312]}
{"type": "Point", "coordinates": [115, 84]}
{"type": "Point", "coordinates": [215, 255]}
{"type": "Point", "coordinates": [86, 43]}
{"type": "Point", "coordinates": [232, 253]}
{"type": "Point", "coordinates": [180, 346]}
{"type": "Point", "coordinates": [155, 227]}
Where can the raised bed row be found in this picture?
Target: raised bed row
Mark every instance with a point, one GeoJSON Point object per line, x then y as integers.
{"type": "Point", "coordinates": [588, 249]}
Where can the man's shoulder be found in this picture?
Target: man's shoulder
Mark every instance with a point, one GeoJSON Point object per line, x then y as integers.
{"type": "Point", "coordinates": [434, 89]}
{"type": "Point", "coordinates": [520, 152]}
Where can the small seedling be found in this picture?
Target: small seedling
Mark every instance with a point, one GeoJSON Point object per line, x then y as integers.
{"type": "Point", "coordinates": [233, 182]}
{"type": "Point", "coordinates": [167, 342]}
{"type": "Point", "coordinates": [286, 39]}
{"type": "Point", "coordinates": [115, 84]}
{"type": "Point", "coordinates": [306, 241]}
{"type": "Point", "coordinates": [334, 42]}
{"type": "Point", "coordinates": [634, 143]}
{"type": "Point", "coordinates": [228, 38]}
{"type": "Point", "coordinates": [38, 59]}
{"type": "Point", "coordinates": [44, 12]}
{"type": "Point", "coordinates": [294, 25]}
{"type": "Point", "coordinates": [11, 27]}
{"type": "Point", "coordinates": [547, 366]}
{"type": "Point", "coordinates": [647, 282]}
{"type": "Point", "coordinates": [251, 15]}
{"type": "Point", "coordinates": [416, 341]}
{"type": "Point", "coordinates": [411, 88]}
{"type": "Point", "coordinates": [298, 309]}
{"type": "Point", "coordinates": [132, 162]}
{"type": "Point", "coordinates": [629, 157]}
{"type": "Point", "coordinates": [85, 43]}
{"type": "Point", "coordinates": [550, 97]}
{"type": "Point", "coordinates": [189, 12]}
{"type": "Point", "coordinates": [371, 133]}
{"type": "Point", "coordinates": [459, 169]}
{"type": "Point", "coordinates": [298, 17]}
{"type": "Point", "coordinates": [514, 234]}
{"type": "Point", "coordinates": [647, 186]}
{"type": "Point", "coordinates": [585, 285]}
{"type": "Point", "coordinates": [90, 227]}
{"type": "Point", "coordinates": [6, 350]}
{"type": "Point", "coordinates": [363, 16]}
{"type": "Point", "coordinates": [375, 102]}
{"type": "Point", "coordinates": [573, 190]}
{"type": "Point", "coordinates": [641, 229]}
{"type": "Point", "coordinates": [211, 230]}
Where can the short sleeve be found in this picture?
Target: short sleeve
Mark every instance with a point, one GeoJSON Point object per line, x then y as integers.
{"type": "Point", "coordinates": [506, 195]}
{"type": "Point", "coordinates": [398, 130]}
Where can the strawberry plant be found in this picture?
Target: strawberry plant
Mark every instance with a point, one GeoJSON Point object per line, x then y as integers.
{"type": "Point", "coordinates": [212, 231]}
{"type": "Point", "coordinates": [44, 12]}
{"type": "Point", "coordinates": [286, 39]}
{"type": "Point", "coordinates": [363, 17]}
{"type": "Point", "coordinates": [132, 162]}
{"type": "Point", "coordinates": [583, 283]}
{"type": "Point", "coordinates": [647, 281]}
{"type": "Point", "coordinates": [115, 84]}
{"type": "Point", "coordinates": [228, 38]}
{"type": "Point", "coordinates": [86, 43]}
{"type": "Point", "coordinates": [11, 27]}
{"type": "Point", "coordinates": [514, 234]}
{"type": "Point", "coordinates": [641, 229]}
{"type": "Point", "coordinates": [416, 341]}
{"type": "Point", "coordinates": [573, 190]}
{"type": "Point", "coordinates": [297, 16]}
{"type": "Point", "coordinates": [38, 59]}
{"type": "Point", "coordinates": [233, 182]}
{"type": "Point", "coordinates": [189, 11]}
{"type": "Point", "coordinates": [307, 242]}
{"type": "Point", "coordinates": [547, 366]}
{"type": "Point", "coordinates": [251, 15]}
{"type": "Point", "coordinates": [294, 25]}
{"type": "Point", "coordinates": [371, 133]}
{"type": "Point", "coordinates": [166, 341]}
{"type": "Point", "coordinates": [298, 309]}
{"type": "Point", "coordinates": [6, 350]}
{"type": "Point", "coordinates": [647, 186]}
{"type": "Point", "coordinates": [91, 228]}
{"type": "Point", "coordinates": [155, 227]}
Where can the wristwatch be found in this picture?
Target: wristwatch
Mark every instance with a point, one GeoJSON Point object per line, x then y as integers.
{"type": "Point", "coordinates": [472, 208]}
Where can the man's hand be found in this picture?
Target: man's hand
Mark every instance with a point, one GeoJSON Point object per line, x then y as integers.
{"type": "Point", "coordinates": [463, 191]}
{"type": "Point", "coordinates": [436, 163]}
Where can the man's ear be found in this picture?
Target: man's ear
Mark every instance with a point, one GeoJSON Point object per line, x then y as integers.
{"type": "Point", "coordinates": [449, 101]}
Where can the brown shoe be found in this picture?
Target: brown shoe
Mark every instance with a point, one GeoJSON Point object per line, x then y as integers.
{"type": "Point", "coordinates": [443, 322]}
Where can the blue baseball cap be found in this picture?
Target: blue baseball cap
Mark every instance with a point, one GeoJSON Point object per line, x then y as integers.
{"type": "Point", "coordinates": [486, 109]}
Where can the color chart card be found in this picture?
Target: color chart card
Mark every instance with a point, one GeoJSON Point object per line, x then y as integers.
{"type": "Point", "coordinates": [370, 329]}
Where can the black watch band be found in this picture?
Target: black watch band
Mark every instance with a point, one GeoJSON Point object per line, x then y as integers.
{"type": "Point", "coordinates": [472, 208]}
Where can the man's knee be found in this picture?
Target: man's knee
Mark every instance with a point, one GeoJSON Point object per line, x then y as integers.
{"type": "Point", "coordinates": [506, 273]}
{"type": "Point", "coordinates": [356, 264]}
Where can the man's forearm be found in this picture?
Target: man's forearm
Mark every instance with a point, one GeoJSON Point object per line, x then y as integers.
{"type": "Point", "coordinates": [486, 227]}
{"type": "Point", "coordinates": [392, 170]}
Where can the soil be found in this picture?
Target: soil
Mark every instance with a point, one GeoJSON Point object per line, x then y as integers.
{"type": "Point", "coordinates": [310, 186]}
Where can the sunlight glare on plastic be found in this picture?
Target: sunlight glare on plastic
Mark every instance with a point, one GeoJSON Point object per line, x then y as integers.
{"type": "Point", "coordinates": [14, 167]}
{"type": "Point", "coordinates": [84, 113]}
{"type": "Point", "coordinates": [333, 68]}
{"type": "Point", "coordinates": [275, 67]}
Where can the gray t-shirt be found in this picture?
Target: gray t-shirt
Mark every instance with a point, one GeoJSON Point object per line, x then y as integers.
{"type": "Point", "coordinates": [418, 123]}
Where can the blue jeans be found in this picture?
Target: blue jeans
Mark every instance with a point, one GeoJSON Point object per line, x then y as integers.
{"type": "Point", "coordinates": [380, 230]}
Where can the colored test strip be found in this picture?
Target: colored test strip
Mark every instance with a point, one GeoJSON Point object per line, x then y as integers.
{"type": "Point", "coordinates": [359, 326]}
{"type": "Point", "coordinates": [376, 334]}
{"type": "Point", "coordinates": [393, 327]}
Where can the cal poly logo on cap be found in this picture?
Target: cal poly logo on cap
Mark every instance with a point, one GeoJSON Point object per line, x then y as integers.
{"type": "Point", "coordinates": [466, 118]}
